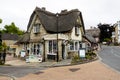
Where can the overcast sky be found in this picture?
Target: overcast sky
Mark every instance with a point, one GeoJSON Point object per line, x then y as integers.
{"type": "Point", "coordinates": [93, 11]}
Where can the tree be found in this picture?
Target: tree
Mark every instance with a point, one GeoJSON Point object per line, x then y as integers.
{"type": "Point", "coordinates": [0, 20]}
{"type": "Point", "coordinates": [0, 37]}
{"type": "Point", "coordinates": [0, 44]}
{"type": "Point", "coordinates": [12, 29]}
{"type": "Point", "coordinates": [105, 32]}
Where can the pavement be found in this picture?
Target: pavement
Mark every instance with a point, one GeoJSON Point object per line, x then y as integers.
{"type": "Point", "coordinates": [19, 62]}
{"type": "Point", "coordinates": [95, 70]}
{"type": "Point", "coordinates": [6, 77]}
{"type": "Point", "coordinates": [89, 71]}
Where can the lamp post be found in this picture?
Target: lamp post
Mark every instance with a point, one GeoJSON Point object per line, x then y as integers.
{"type": "Point", "coordinates": [57, 37]}
{"type": "Point", "coordinates": [0, 48]}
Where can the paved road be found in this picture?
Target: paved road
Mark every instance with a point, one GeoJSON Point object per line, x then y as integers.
{"type": "Point", "coordinates": [18, 71]}
{"type": "Point", "coordinates": [110, 55]}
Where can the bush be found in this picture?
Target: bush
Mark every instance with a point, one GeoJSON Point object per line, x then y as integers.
{"type": "Point", "coordinates": [116, 44]}
{"type": "Point", "coordinates": [75, 59]}
{"type": "Point", "coordinates": [2, 62]}
{"type": "Point", "coordinates": [89, 56]}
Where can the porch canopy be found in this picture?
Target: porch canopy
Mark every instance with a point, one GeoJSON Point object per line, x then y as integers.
{"type": "Point", "coordinates": [54, 37]}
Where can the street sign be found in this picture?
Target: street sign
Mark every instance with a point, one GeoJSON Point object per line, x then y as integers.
{"type": "Point", "coordinates": [82, 53]}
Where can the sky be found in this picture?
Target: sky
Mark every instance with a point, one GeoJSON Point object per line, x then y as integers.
{"type": "Point", "coordinates": [93, 11]}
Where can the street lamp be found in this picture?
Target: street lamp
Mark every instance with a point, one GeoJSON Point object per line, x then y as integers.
{"type": "Point", "coordinates": [57, 36]}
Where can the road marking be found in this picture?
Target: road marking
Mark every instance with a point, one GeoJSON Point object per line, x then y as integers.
{"type": "Point", "coordinates": [117, 55]}
{"type": "Point", "coordinates": [113, 52]}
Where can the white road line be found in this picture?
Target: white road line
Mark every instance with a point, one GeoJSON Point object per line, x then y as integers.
{"type": "Point", "coordinates": [117, 55]}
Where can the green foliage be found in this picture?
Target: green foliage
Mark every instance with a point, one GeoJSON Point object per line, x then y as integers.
{"type": "Point", "coordinates": [1, 62]}
{"type": "Point", "coordinates": [12, 29]}
{"type": "Point", "coordinates": [116, 44]}
{"type": "Point", "coordinates": [0, 20]}
{"type": "Point", "coordinates": [3, 46]}
{"type": "Point", "coordinates": [75, 59]}
{"type": "Point", "coordinates": [89, 56]}
{"type": "Point", "coordinates": [107, 39]}
{"type": "Point", "coordinates": [105, 31]}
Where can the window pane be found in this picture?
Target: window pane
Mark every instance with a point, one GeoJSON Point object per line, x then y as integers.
{"type": "Point", "coordinates": [80, 44]}
{"type": "Point", "coordinates": [50, 46]}
{"type": "Point", "coordinates": [54, 46]}
{"type": "Point", "coordinates": [36, 28]}
{"type": "Point", "coordinates": [77, 31]}
{"type": "Point", "coordinates": [71, 46]}
{"type": "Point", "coordinates": [76, 45]}
{"type": "Point", "coordinates": [34, 49]}
{"type": "Point", "coordinates": [38, 49]}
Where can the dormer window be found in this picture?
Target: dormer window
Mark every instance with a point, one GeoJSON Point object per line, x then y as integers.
{"type": "Point", "coordinates": [77, 31]}
{"type": "Point", "coordinates": [36, 28]}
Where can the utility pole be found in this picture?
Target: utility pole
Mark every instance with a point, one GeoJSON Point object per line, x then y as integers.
{"type": "Point", "coordinates": [0, 44]}
{"type": "Point", "coordinates": [57, 37]}
{"type": "Point", "coordinates": [0, 48]}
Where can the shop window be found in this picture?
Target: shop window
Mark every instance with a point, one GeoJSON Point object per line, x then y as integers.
{"type": "Point", "coordinates": [52, 46]}
{"type": "Point", "coordinates": [36, 50]}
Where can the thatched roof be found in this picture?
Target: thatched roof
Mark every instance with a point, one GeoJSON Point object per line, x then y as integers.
{"type": "Point", "coordinates": [8, 36]}
{"type": "Point", "coordinates": [95, 32]}
{"type": "Point", "coordinates": [59, 22]}
{"type": "Point", "coordinates": [25, 38]}
{"type": "Point", "coordinates": [89, 38]}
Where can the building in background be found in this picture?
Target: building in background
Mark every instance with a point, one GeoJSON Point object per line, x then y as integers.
{"type": "Point", "coordinates": [116, 32]}
{"type": "Point", "coordinates": [10, 40]}
{"type": "Point", "coordinates": [92, 38]}
{"type": "Point", "coordinates": [94, 32]}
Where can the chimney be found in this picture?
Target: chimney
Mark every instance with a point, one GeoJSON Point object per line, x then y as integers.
{"type": "Point", "coordinates": [43, 8]}
{"type": "Point", "coordinates": [63, 11]}
{"type": "Point", "coordinates": [91, 27]}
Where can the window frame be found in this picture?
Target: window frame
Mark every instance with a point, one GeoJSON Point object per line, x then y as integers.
{"type": "Point", "coordinates": [52, 47]}
{"type": "Point", "coordinates": [74, 46]}
{"type": "Point", "coordinates": [77, 30]}
{"type": "Point", "coordinates": [36, 50]}
{"type": "Point", "coordinates": [36, 28]}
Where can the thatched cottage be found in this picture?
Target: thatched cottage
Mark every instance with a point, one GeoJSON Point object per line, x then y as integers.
{"type": "Point", "coordinates": [53, 36]}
